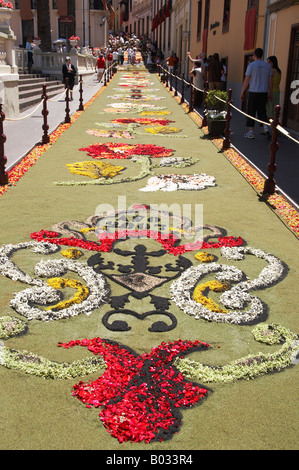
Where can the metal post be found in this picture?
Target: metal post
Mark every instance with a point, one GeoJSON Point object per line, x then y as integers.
{"type": "Point", "coordinates": [205, 121]}
{"type": "Point", "coordinates": [67, 119]}
{"type": "Point", "coordinates": [45, 112]}
{"type": "Point", "coordinates": [81, 107]}
{"type": "Point", "coordinates": [183, 89]}
{"type": "Point", "coordinates": [191, 104]}
{"type": "Point", "coordinates": [227, 132]}
{"type": "Point", "coordinates": [269, 186]}
{"type": "Point", "coordinates": [3, 159]}
{"type": "Point", "coordinates": [164, 76]}
{"type": "Point", "coordinates": [176, 85]}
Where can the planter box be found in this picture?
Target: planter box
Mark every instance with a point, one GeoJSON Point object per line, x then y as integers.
{"type": "Point", "coordinates": [216, 127]}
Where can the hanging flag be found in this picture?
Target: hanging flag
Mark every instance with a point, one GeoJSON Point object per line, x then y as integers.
{"type": "Point", "coordinates": [250, 26]}
{"type": "Point", "coordinates": [167, 12]}
{"type": "Point", "coordinates": [162, 15]}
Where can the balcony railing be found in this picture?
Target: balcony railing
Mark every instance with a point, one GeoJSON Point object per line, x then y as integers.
{"type": "Point", "coordinates": [50, 63]}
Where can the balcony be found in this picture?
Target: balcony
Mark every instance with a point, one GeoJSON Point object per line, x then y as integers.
{"type": "Point", "coordinates": [141, 6]}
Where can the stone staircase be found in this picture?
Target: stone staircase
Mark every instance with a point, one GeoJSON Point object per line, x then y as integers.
{"type": "Point", "coordinates": [31, 89]}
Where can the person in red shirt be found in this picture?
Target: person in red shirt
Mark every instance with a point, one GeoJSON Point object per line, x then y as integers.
{"type": "Point", "coordinates": [109, 58]}
{"type": "Point", "coordinates": [101, 65]}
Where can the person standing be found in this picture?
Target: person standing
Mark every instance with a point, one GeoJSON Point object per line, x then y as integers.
{"type": "Point", "coordinates": [224, 75]}
{"type": "Point", "coordinates": [198, 81]}
{"type": "Point", "coordinates": [258, 80]}
{"type": "Point", "coordinates": [214, 72]}
{"type": "Point", "coordinates": [101, 65]}
{"type": "Point", "coordinates": [29, 54]}
{"type": "Point", "coordinates": [176, 64]}
{"type": "Point", "coordinates": [120, 56]}
{"type": "Point", "coordinates": [115, 55]}
{"type": "Point", "coordinates": [109, 58]}
{"type": "Point", "coordinates": [170, 63]}
{"type": "Point", "coordinates": [69, 71]}
{"type": "Point", "coordinates": [272, 60]}
{"type": "Point", "coordinates": [129, 52]}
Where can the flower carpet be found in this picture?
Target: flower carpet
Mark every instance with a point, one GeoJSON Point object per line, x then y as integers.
{"type": "Point", "coordinates": [147, 293]}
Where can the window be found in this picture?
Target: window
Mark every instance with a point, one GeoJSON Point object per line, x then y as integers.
{"type": "Point", "coordinates": [54, 4]}
{"type": "Point", "coordinates": [226, 16]}
{"type": "Point", "coordinates": [207, 15]}
{"type": "Point", "coordinates": [27, 30]}
{"type": "Point", "coordinates": [199, 19]}
{"type": "Point", "coordinates": [169, 32]}
{"type": "Point", "coordinates": [96, 5]}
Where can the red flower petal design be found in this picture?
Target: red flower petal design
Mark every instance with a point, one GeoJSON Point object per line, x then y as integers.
{"type": "Point", "coordinates": [123, 151]}
{"type": "Point", "coordinates": [106, 241]}
{"type": "Point", "coordinates": [140, 395]}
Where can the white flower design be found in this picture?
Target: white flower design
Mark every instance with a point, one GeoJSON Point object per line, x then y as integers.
{"type": "Point", "coordinates": [236, 298]}
{"type": "Point", "coordinates": [44, 294]}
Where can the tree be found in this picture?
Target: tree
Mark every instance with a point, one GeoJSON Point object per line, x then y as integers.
{"type": "Point", "coordinates": [44, 24]}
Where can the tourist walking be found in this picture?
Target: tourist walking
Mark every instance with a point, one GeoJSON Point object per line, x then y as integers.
{"type": "Point", "coordinates": [214, 73]}
{"type": "Point", "coordinates": [170, 63]}
{"type": "Point", "coordinates": [69, 72]}
{"type": "Point", "coordinates": [224, 75]}
{"type": "Point", "coordinates": [120, 56]}
{"type": "Point", "coordinates": [272, 60]}
{"type": "Point", "coordinates": [198, 81]}
{"type": "Point", "coordinates": [101, 65]}
{"type": "Point", "coordinates": [29, 54]}
{"type": "Point", "coordinates": [258, 80]}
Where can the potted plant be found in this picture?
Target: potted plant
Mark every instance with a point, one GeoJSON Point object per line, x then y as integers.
{"type": "Point", "coordinates": [6, 9]}
{"type": "Point", "coordinates": [216, 111]}
{"type": "Point", "coordinates": [8, 5]}
{"type": "Point", "coordinates": [37, 42]}
{"type": "Point", "coordinates": [73, 40]}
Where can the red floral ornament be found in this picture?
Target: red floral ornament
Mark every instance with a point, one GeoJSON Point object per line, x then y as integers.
{"type": "Point", "coordinates": [124, 151]}
{"type": "Point", "coordinates": [140, 395]}
{"type": "Point", "coordinates": [106, 241]}
{"type": "Point", "coordinates": [160, 122]}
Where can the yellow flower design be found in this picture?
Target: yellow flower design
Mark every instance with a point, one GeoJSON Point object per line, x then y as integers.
{"type": "Point", "coordinates": [162, 130]}
{"type": "Point", "coordinates": [155, 113]}
{"type": "Point", "coordinates": [199, 297]}
{"type": "Point", "coordinates": [60, 283]}
{"type": "Point", "coordinates": [95, 170]}
{"type": "Point", "coordinates": [204, 257]}
{"type": "Point", "coordinates": [72, 253]}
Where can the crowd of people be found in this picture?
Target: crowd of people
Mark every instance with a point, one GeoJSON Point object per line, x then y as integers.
{"type": "Point", "coordinates": [260, 90]}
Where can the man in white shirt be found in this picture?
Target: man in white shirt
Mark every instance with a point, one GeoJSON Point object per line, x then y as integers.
{"type": "Point", "coordinates": [258, 80]}
{"type": "Point", "coordinates": [115, 56]}
{"type": "Point", "coordinates": [198, 81]}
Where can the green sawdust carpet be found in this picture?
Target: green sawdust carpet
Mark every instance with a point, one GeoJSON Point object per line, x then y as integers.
{"type": "Point", "coordinates": [148, 299]}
